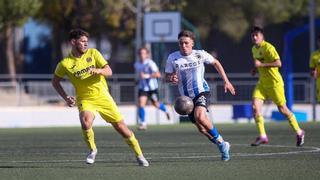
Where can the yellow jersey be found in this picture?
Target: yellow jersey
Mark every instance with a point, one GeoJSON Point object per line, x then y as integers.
{"type": "Point", "coordinates": [315, 60]}
{"type": "Point", "coordinates": [268, 76]}
{"type": "Point", "coordinates": [87, 86]}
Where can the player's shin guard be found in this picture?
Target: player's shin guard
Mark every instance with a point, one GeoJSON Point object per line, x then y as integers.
{"type": "Point", "coordinates": [162, 107]}
{"type": "Point", "coordinates": [88, 136]}
{"type": "Point", "coordinates": [134, 144]}
{"type": "Point", "coordinates": [260, 126]}
{"type": "Point", "coordinates": [141, 113]}
{"type": "Point", "coordinates": [293, 123]}
{"type": "Point", "coordinates": [217, 138]}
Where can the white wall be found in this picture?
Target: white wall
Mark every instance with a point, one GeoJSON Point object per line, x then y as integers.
{"type": "Point", "coordinates": [48, 116]}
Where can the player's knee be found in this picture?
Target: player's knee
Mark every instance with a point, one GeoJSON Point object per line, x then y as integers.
{"type": "Point", "coordinates": [199, 118]}
{"type": "Point", "coordinates": [284, 110]}
{"type": "Point", "coordinates": [85, 125]}
{"type": "Point", "coordinates": [256, 110]}
{"type": "Point", "coordinates": [122, 128]}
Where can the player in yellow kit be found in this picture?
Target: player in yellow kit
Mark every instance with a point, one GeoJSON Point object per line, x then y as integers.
{"type": "Point", "coordinates": [270, 86]}
{"type": "Point", "coordinates": [85, 67]}
{"type": "Point", "coordinates": [315, 67]}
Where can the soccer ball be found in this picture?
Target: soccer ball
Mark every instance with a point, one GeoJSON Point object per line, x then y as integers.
{"type": "Point", "coordinates": [183, 105]}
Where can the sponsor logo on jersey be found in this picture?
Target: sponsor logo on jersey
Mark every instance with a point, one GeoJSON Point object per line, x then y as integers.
{"type": "Point", "coordinates": [187, 65]}
{"type": "Point", "coordinates": [82, 71]}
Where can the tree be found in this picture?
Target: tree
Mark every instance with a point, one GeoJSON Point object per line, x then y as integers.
{"type": "Point", "coordinates": [14, 14]}
{"type": "Point", "coordinates": [234, 17]}
{"type": "Point", "coordinates": [115, 19]}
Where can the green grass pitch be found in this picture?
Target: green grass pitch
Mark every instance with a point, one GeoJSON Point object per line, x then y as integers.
{"type": "Point", "coordinates": [174, 152]}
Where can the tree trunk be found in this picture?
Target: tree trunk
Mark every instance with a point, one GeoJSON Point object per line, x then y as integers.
{"type": "Point", "coordinates": [2, 54]}
{"type": "Point", "coordinates": [56, 45]}
{"type": "Point", "coordinates": [10, 53]}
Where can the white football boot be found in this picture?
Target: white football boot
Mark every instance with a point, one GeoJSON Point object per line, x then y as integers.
{"type": "Point", "coordinates": [91, 156]}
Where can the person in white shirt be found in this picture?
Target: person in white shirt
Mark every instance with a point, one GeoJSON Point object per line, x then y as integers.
{"type": "Point", "coordinates": [185, 68]}
{"type": "Point", "coordinates": [147, 73]}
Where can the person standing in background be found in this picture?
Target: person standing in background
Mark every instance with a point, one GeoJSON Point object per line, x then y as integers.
{"type": "Point", "coordinates": [147, 74]}
{"type": "Point", "coordinates": [315, 67]}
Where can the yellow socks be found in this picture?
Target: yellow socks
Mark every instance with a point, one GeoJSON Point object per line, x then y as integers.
{"type": "Point", "coordinates": [134, 144]}
{"type": "Point", "coordinates": [88, 136]}
{"type": "Point", "coordinates": [293, 123]}
{"type": "Point", "coordinates": [260, 126]}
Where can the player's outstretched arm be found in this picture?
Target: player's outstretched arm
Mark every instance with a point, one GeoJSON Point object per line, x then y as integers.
{"type": "Point", "coordinates": [70, 100]}
{"type": "Point", "coordinates": [227, 84]}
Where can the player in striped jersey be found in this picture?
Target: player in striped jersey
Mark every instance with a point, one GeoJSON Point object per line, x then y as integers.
{"type": "Point", "coordinates": [147, 73]}
{"type": "Point", "coordinates": [185, 68]}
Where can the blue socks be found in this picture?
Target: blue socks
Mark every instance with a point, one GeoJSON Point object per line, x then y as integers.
{"type": "Point", "coordinates": [217, 138]}
{"type": "Point", "coordinates": [141, 113]}
{"type": "Point", "coordinates": [162, 107]}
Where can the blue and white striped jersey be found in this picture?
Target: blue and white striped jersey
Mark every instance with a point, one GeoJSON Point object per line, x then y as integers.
{"type": "Point", "coordinates": [190, 70]}
{"type": "Point", "coordinates": [148, 66]}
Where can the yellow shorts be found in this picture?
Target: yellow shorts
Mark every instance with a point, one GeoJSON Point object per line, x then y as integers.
{"type": "Point", "coordinates": [276, 94]}
{"type": "Point", "coordinates": [104, 105]}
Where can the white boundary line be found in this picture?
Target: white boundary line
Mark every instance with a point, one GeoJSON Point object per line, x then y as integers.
{"type": "Point", "coordinates": [307, 149]}
{"type": "Point", "coordinates": [300, 150]}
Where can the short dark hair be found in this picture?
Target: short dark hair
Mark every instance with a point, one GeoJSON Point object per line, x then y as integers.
{"type": "Point", "coordinates": [187, 33]}
{"type": "Point", "coordinates": [257, 29]}
{"type": "Point", "coordinates": [77, 33]}
{"type": "Point", "coordinates": [143, 48]}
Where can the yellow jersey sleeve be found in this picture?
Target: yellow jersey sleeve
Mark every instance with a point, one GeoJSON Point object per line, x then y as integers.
{"type": "Point", "coordinates": [315, 59]}
{"type": "Point", "coordinates": [100, 61]}
{"type": "Point", "coordinates": [60, 70]}
{"type": "Point", "coordinates": [272, 54]}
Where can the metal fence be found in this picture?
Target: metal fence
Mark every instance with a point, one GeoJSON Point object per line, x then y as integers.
{"type": "Point", "coordinates": [30, 89]}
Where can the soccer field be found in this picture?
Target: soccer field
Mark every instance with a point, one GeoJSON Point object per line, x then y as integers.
{"type": "Point", "coordinates": [174, 152]}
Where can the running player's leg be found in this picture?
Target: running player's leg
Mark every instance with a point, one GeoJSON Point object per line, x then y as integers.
{"type": "Point", "coordinates": [155, 102]}
{"type": "Point", "coordinates": [142, 101]}
{"type": "Point", "coordinates": [279, 99]}
{"type": "Point", "coordinates": [258, 97]}
{"type": "Point", "coordinates": [257, 113]}
{"type": "Point", "coordinates": [131, 140]}
{"type": "Point", "coordinates": [86, 120]}
{"type": "Point", "coordinates": [206, 127]}
{"type": "Point", "coordinates": [293, 123]}
{"type": "Point", "coordinates": [110, 113]}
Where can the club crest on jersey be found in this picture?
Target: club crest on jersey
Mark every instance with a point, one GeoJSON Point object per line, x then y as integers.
{"type": "Point", "coordinates": [89, 59]}
{"type": "Point", "coordinates": [198, 56]}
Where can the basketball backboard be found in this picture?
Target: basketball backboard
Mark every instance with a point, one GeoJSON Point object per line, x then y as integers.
{"type": "Point", "coordinates": [161, 26]}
